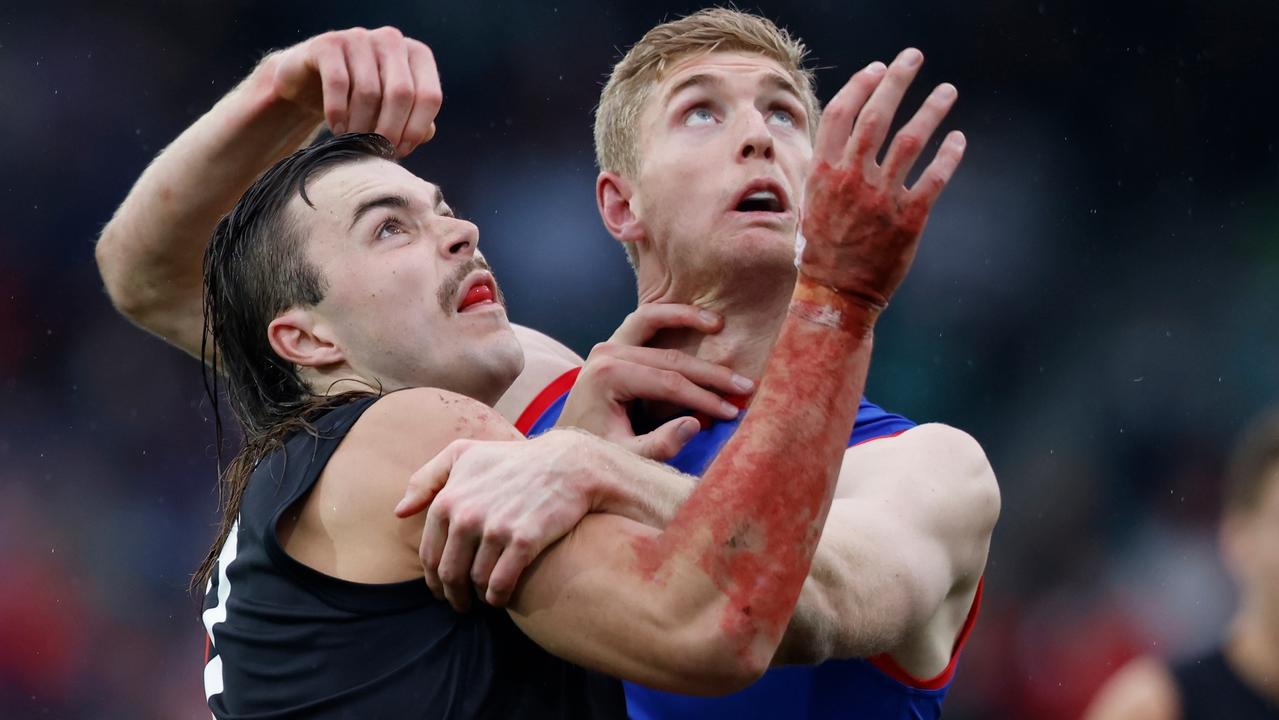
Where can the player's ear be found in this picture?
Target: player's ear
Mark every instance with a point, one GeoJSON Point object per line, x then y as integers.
{"type": "Point", "coordinates": [613, 195]}
{"type": "Point", "coordinates": [301, 338]}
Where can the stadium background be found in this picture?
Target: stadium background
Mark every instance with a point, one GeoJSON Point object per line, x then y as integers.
{"type": "Point", "coordinates": [1095, 301]}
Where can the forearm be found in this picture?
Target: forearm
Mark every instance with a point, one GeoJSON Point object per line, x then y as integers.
{"type": "Point", "coordinates": [754, 521]}
{"type": "Point", "coordinates": [150, 253]}
{"type": "Point", "coordinates": [631, 486]}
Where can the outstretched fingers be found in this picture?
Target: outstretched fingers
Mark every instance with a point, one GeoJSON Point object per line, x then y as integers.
{"type": "Point", "coordinates": [934, 178]}
{"type": "Point", "coordinates": [875, 118]}
{"type": "Point", "coordinates": [911, 139]}
{"type": "Point", "coordinates": [837, 119]}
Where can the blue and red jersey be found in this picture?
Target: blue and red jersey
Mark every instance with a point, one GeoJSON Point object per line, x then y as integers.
{"type": "Point", "coordinates": [875, 688]}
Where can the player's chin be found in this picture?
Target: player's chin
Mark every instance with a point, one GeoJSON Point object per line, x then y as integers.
{"type": "Point", "coordinates": [500, 353]}
{"type": "Point", "coordinates": [761, 242]}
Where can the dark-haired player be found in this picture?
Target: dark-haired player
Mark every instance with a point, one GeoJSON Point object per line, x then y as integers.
{"type": "Point", "coordinates": [1240, 678]}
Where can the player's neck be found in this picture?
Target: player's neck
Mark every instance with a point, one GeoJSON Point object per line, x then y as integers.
{"type": "Point", "coordinates": [1253, 651]}
{"type": "Point", "coordinates": [753, 317]}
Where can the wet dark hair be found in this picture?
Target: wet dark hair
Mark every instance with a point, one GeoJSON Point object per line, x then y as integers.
{"type": "Point", "coordinates": [255, 268]}
{"type": "Point", "coordinates": [1253, 466]}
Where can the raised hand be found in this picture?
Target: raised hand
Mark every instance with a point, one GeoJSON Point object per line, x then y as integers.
{"type": "Point", "coordinates": [365, 81]}
{"type": "Point", "coordinates": [621, 370]}
{"type": "Point", "coordinates": [861, 224]}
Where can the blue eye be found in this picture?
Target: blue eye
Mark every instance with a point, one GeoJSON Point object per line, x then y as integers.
{"type": "Point", "coordinates": [699, 116]}
{"type": "Point", "coordinates": [782, 116]}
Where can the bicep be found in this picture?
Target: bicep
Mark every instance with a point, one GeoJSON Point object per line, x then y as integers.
{"type": "Point", "coordinates": [874, 578]}
{"type": "Point", "coordinates": [586, 601]}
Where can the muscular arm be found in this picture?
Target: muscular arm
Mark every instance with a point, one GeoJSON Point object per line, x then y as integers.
{"type": "Point", "coordinates": [699, 606]}
{"type": "Point", "coordinates": [900, 554]}
{"type": "Point", "coordinates": [150, 252]}
{"type": "Point", "coordinates": [715, 589]}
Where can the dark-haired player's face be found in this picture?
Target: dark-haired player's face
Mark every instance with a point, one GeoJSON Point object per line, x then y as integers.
{"type": "Point", "coordinates": [724, 154]}
{"type": "Point", "coordinates": [409, 299]}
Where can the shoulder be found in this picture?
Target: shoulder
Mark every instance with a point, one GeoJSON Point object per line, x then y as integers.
{"type": "Point", "coordinates": [1143, 689]}
{"type": "Point", "coordinates": [940, 475]}
{"type": "Point", "coordinates": [347, 527]}
{"type": "Point", "coordinates": [545, 359]}
{"type": "Point", "coordinates": [948, 455]}
{"type": "Point", "coordinates": [418, 414]}
{"type": "Point", "coordinates": [405, 428]}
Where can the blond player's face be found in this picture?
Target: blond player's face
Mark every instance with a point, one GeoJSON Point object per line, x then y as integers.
{"type": "Point", "coordinates": [403, 296]}
{"type": "Point", "coordinates": [724, 153]}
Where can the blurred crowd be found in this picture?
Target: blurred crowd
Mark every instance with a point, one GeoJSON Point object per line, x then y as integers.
{"type": "Point", "coordinates": [1094, 301]}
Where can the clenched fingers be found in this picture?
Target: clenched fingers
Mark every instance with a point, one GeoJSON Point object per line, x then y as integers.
{"type": "Point", "coordinates": [397, 84]}
{"type": "Point", "coordinates": [366, 86]}
{"type": "Point", "coordinates": [427, 98]}
{"type": "Point", "coordinates": [335, 83]}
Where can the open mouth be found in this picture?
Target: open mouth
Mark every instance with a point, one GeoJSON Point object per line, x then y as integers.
{"type": "Point", "coordinates": [481, 290]}
{"type": "Point", "coordinates": [762, 196]}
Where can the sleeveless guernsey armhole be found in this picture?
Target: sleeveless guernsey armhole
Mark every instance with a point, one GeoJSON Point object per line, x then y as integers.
{"type": "Point", "coordinates": [547, 397]}
{"type": "Point", "coordinates": [346, 595]}
{"type": "Point", "coordinates": [887, 665]}
{"type": "Point", "coordinates": [881, 437]}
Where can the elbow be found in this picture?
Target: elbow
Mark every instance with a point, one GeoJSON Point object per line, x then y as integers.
{"type": "Point", "coordinates": [107, 256]}
{"type": "Point", "coordinates": [716, 661]}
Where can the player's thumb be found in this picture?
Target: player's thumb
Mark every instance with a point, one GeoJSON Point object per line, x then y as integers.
{"type": "Point", "coordinates": [427, 482]}
{"type": "Point", "coordinates": [666, 441]}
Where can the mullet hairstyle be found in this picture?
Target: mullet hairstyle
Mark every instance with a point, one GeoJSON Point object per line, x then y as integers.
{"type": "Point", "coordinates": [255, 268]}
{"type": "Point", "coordinates": [627, 92]}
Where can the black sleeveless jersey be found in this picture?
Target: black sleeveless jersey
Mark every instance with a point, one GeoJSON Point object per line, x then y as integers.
{"type": "Point", "coordinates": [1210, 689]}
{"type": "Point", "coordinates": [286, 641]}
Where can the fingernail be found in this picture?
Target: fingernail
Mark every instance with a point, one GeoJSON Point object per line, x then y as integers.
{"type": "Point", "coordinates": [339, 128]}
{"type": "Point", "coordinates": [728, 409]}
{"type": "Point", "coordinates": [911, 57]}
{"type": "Point", "coordinates": [400, 508]}
{"type": "Point", "coordinates": [687, 430]}
{"type": "Point", "coordinates": [959, 139]}
{"type": "Point", "coordinates": [743, 383]}
{"type": "Point", "coordinates": [945, 91]}
{"type": "Point", "coordinates": [708, 317]}
{"type": "Point", "coordinates": [876, 68]}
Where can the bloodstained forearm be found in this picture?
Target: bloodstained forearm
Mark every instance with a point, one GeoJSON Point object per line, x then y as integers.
{"type": "Point", "coordinates": [754, 522]}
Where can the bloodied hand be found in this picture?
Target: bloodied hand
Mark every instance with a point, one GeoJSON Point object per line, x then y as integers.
{"type": "Point", "coordinates": [861, 223]}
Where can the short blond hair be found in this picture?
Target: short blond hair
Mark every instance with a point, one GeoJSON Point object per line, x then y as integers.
{"type": "Point", "coordinates": [617, 117]}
